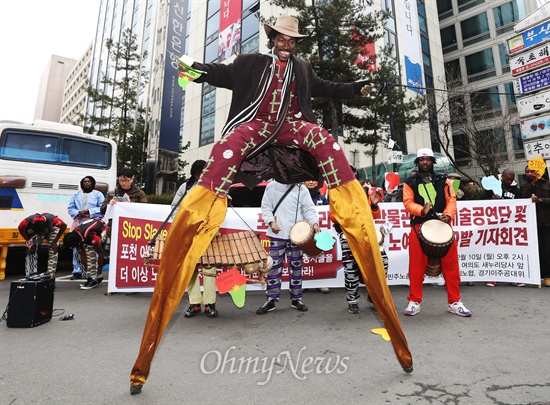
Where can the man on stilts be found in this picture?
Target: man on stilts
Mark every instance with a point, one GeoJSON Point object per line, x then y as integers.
{"type": "Point", "coordinates": [270, 121]}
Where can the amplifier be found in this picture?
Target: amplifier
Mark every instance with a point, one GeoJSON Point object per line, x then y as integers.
{"type": "Point", "coordinates": [31, 302]}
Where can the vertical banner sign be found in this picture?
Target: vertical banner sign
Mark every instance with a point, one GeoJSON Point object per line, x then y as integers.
{"type": "Point", "coordinates": [229, 41]}
{"type": "Point", "coordinates": [412, 54]}
{"type": "Point", "coordinates": [367, 52]}
{"type": "Point", "coordinates": [172, 93]}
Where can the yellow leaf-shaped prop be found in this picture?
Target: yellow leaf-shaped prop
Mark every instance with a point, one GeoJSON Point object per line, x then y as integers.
{"type": "Point", "coordinates": [383, 332]}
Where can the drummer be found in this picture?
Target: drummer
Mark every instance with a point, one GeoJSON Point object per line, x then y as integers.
{"type": "Point", "coordinates": [430, 196]}
{"type": "Point", "coordinates": [282, 206]}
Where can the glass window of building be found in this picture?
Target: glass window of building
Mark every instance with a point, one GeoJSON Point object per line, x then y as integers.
{"type": "Point", "coordinates": [448, 39]}
{"type": "Point", "coordinates": [494, 139]}
{"type": "Point", "coordinates": [250, 34]}
{"type": "Point", "coordinates": [444, 9]}
{"type": "Point", "coordinates": [453, 74]}
{"type": "Point", "coordinates": [422, 17]}
{"type": "Point", "coordinates": [464, 5]}
{"type": "Point", "coordinates": [389, 40]}
{"type": "Point", "coordinates": [461, 144]}
{"type": "Point", "coordinates": [504, 61]}
{"type": "Point", "coordinates": [510, 95]}
{"type": "Point", "coordinates": [506, 15]}
{"type": "Point", "coordinates": [517, 141]}
{"type": "Point", "coordinates": [475, 29]}
{"type": "Point", "coordinates": [485, 100]}
{"type": "Point", "coordinates": [480, 65]}
{"type": "Point", "coordinates": [208, 119]}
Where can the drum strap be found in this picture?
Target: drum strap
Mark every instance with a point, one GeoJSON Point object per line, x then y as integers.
{"type": "Point", "coordinates": [288, 190]}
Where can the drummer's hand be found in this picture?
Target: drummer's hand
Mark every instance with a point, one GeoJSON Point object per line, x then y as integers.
{"type": "Point", "coordinates": [274, 227]}
{"type": "Point", "coordinates": [444, 217]}
{"type": "Point", "coordinates": [316, 228]}
{"type": "Point", "coordinates": [426, 209]}
{"type": "Point", "coordinates": [374, 198]}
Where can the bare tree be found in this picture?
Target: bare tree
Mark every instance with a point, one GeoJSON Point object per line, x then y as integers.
{"type": "Point", "coordinates": [472, 125]}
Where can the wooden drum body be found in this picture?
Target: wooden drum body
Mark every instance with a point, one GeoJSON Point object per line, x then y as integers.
{"type": "Point", "coordinates": [302, 235]}
{"type": "Point", "coordinates": [435, 237]}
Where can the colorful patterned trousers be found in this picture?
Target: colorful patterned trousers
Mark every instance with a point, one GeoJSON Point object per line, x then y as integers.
{"type": "Point", "coordinates": [351, 270]}
{"type": "Point", "coordinates": [278, 249]}
{"type": "Point", "coordinates": [228, 154]}
{"type": "Point", "coordinates": [31, 259]}
{"type": "Point", "coordinates": [90, 269]}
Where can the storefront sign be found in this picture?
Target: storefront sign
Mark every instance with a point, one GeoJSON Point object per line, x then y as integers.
{"type": "Point", "coordinates": [535, 127]}
{"type": "Point", "coordinates": [536, 104]}
{"type": "Point", "coordinates": [531, 59]}
{"type": "Point", "coordinates": [532, 81]}
{"type": "Point", "coordinates": [527, 39]}
{"type": "Point", "coordinates": [537, 148]}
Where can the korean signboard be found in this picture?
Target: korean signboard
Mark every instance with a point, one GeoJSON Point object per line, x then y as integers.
{"type": "Point", "coordinates": [537, 148]}
{"type": "Point", "coordinates": [532, 81]}
{"type": "Point", "coordinates": [497, 241]}
{"type": "Point", "coordinates": [531, 59]}
{"type": "Point", "coordinates": [527, 39]}
{"type": "Point", "coordinates": [536, 104]}
{"type": "Point", "coordinates": [535, 127]}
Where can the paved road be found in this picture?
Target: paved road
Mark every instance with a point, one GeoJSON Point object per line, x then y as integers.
{"type": "Point", "coordinates": [499, 356]}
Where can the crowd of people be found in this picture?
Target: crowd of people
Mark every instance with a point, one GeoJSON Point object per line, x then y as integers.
{"type": "Point", "coordinates": [272, 132]}
{"type": "Point", "coordinates": [87, 233]}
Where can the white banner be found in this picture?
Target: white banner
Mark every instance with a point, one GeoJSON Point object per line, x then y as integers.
{"type": "Point", "coordinates": [531, 59]}
{"type": "Point", "coordinates": [497, 241]}
{"type": "Point", "coordinates": [535, 127]}
{"type": "Point", "coordinates": [536, 104]}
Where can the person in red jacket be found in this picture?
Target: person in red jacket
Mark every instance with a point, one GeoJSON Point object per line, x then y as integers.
{"type": "Point", "coordinates": [35, 228]}
{"type": "Point", "coordinates": [430, 196]}
{"type": "Point", "coordinates": [86, 238]}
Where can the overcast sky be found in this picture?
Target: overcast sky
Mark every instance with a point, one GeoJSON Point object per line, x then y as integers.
{"type": "Point", "coordinates": [30, 32]}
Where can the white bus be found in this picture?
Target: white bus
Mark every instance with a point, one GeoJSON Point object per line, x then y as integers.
{"type": "Point", "coordinates": [41, 166]}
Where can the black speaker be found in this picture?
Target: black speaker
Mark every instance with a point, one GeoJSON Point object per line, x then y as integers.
{"type": "Point", "coordinates": [31, 302]}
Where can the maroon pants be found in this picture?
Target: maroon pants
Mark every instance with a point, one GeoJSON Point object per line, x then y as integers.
{"type": "Point", "coordinates": [228, 154]}
{"type": "Point", "coordinates": [417, 268]}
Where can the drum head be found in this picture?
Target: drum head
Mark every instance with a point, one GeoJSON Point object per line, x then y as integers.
{"type": "Point", "coordinates": [436, 231]}
{"type": "Point", "coordinates": [301, 232]}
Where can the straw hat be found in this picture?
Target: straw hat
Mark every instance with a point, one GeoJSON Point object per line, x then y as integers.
{"type": "Point", "coordinates": [285, 25]}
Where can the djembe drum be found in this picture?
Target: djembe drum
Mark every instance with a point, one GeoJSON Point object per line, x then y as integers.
{"type": "Point", "coordinates": [302, 235]}
{"type": "Point", "coordinates": [435, 237]}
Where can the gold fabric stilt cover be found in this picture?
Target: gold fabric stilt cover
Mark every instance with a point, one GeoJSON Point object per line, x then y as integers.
{"type": "Point", "coordinates": [350, 207]}
{"type": "Point", "coordinates": [197, 221]}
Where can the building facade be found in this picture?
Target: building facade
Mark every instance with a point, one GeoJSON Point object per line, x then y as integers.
{"type": "Point", "coordinates": [52, 85]}
{"type": "Point", "coordinates": [473, 34]}
{"type": "Point", "coordinates": [185, 123]}
{"type": "Point", "coordinates": [75, 96]}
